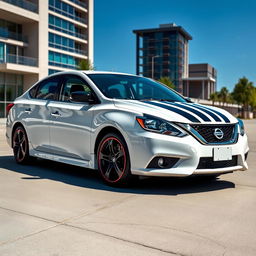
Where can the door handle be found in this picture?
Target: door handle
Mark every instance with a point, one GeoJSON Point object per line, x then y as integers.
{"type": "Point", "coordinates": [55, 114]}
{"type": "Point", "coordinates": [28, 110]}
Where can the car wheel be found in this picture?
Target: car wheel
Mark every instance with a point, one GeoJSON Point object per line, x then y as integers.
{"type": "Point", "coordinates": [114, 161]}
{"type": "Point", "coordinates": [20, 146]}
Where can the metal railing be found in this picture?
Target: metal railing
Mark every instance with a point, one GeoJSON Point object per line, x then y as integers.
{"type": "Point", "coordinates": [23, 4]}
{"type": "Point", "coordinates": [22, 60]}
{"type": "Point", "coordinates": [16, 36]}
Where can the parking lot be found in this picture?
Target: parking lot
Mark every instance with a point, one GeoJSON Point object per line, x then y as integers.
{"type": "Point", "coordinates": [48, 208]}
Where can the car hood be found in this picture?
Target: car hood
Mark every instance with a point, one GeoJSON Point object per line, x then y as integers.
{"type": "Point", "coordinates": [178, 111]}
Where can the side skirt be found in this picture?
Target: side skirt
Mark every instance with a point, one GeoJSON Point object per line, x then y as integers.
{"type": "Point", "coordinates": [62, 159]}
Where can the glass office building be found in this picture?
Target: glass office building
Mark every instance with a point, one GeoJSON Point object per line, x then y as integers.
{"type": "Point", "coordinates": [68, 34]}
{"type": "Point", "coordinates": [163, 52]}
{"type": "Point", "coordinates": [41, 37]}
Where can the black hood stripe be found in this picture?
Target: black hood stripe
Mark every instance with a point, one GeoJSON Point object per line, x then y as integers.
{"type": "Point", "coordinates": [196, 112]}
{"type": "Point", "coordinates": [215, 111]}
{"type": "Point", "coordinates": [176, 110]}
{"type": "Point", "coordinates": [214, 116]}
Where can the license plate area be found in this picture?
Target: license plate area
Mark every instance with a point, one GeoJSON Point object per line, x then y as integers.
{"type": "Point", "coordinates": [221, 154]}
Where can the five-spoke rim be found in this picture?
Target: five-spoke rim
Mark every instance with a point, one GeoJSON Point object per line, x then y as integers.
{"type": "Point", "coordinates": [112, 159]}
{"type": "Point", "coordinates": [19, 145]}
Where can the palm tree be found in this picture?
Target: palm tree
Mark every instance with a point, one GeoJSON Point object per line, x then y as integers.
{"type": "Point", "coordinates": [244, 93]}
{"type": "Point", "coordinates": [167, 81]}
{"type": "Point", "coordinates": [85, 65]}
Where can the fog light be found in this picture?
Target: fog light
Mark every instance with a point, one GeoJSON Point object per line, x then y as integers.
{"type": "Point", "coordinates": [161, 162]}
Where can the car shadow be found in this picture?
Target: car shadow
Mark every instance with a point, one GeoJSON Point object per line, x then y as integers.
{"type": "Point", "coordinates": [77, 176]}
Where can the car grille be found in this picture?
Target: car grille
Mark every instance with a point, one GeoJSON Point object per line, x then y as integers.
{"type": "Point", "coordinates": [207, 132]}
{"type": "Point", "coordinates": [208, 163]}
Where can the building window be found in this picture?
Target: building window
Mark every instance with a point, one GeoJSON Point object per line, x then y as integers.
{"type": "Point", "coordinates": [11, 86]}
{"type": "Point", "coordinates": [52, 71]}
{"type": "Point", "coordinates": [11, 30]}
{"type": "Point", "coordinates": [64, 43]}
{"type": "Point", "coordinates": [66, 27]}
{"type": "Point", "coordinates": [66, 10]}
{"type": "Point", "coordinates": [62, 60]}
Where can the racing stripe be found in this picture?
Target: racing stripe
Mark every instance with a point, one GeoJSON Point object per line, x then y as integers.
{"type": "Point", "coordinates": [176, 110]}
{"type": "Point", "coordinates": [214, 116]}
{"type": "Point", "coordinates": [215, 111]}
{"type": "Point", "coordinates": [196, 112]}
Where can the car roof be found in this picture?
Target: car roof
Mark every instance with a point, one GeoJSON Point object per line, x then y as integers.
{"type": "Point", "coordinates": [88, 72]}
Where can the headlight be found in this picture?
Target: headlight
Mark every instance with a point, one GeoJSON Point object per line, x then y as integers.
{"type": "Point", "coordinates": [241, 127]}
{"type": "Point", "coordinates": [154, 124]}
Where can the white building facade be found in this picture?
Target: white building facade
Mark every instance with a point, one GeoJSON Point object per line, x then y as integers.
{"type": "Point", "coordinates": [41, 37]}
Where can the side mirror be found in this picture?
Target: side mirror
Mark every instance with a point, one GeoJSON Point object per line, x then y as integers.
{"type": "Point", "coordinates": [82, 97]}
{"type": "Point", "coordinates": [188, 100]}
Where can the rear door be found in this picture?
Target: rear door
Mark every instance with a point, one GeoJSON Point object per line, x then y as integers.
{"type": "Point", "coordinates": [37, 114]}
{"type": "Point", "coordinates": [71, 122]}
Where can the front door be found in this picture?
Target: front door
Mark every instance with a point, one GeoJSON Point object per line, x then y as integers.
{"type": "Point", "coordinates": [71, 122]}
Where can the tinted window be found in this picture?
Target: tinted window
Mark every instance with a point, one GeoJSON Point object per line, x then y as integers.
{"type": "Point", "coordinates": [73, 84]}
{"type": "Point", "coordinates": [117, 91]}
{"type": "Point", "coordinates": [32, 91]}
{"type": "Point", "coordinates": [47, 90]}
{"type": "Point", "coordinates": [133, 87]}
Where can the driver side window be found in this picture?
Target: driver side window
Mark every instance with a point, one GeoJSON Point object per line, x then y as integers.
{"type": "Point", "coordinates": [73, 84]}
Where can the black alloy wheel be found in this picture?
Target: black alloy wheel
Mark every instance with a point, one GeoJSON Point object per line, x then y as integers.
{"type": "Point", "coordinates": [20, 146]}
{"type": "Point", "coordinates": [113, 160]}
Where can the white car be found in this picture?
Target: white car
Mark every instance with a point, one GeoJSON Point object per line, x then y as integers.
{"type": "Point", "coordinates": [123, 125]}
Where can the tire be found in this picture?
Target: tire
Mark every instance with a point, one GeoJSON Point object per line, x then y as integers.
{"type": "Point", "coordinates": [114, 161]}
{"type": "Point", "coordinates": [20, 146]}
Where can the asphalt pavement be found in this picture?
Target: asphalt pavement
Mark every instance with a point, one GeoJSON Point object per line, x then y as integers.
{"type": "Point", "coordinates": [48, 208]}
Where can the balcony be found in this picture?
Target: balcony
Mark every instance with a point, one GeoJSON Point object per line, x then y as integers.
{"type": "Point", "coordinates": [15, 36]}
{"type": "Point", "coordinates": [23, 4]}
{"type": "Point", "coordinates": [21, 60]}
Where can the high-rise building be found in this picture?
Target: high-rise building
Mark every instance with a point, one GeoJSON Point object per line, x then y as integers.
{"type": "Point", "coordinates": [41, 37]}
{"type": "Point", "coordinates": [162, 52]}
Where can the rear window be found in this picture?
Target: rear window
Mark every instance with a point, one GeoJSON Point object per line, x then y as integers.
{"type": "Point", "coordinates": [46, 89]}
{"type": "Point", "coordinates": [32, 91]}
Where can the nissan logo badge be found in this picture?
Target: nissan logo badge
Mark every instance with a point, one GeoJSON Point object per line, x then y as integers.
{"type": "Point", "coordinates": [218, 133]}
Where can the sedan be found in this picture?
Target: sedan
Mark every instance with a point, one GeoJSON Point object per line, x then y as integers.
{"type": "Point", "coordinates": [123, 126]}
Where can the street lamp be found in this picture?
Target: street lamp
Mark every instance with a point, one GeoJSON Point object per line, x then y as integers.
{"type": "Point", "coordinates": [153, 64]}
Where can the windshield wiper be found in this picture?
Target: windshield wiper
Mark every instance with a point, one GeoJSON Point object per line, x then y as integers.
{"type": "Point", "coordinates": [167, 100]}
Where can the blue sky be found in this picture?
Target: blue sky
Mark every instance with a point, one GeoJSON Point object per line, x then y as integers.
{"type": "Point", "coordinates": [224, 33]}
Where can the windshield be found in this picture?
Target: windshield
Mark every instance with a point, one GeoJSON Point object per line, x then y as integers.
{"type": "Point", "coordinates": [133, 87]}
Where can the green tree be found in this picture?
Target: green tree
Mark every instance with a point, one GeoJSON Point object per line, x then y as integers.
{"type": "Point", "coordinates": [224, 95]}
{"type": "Point", "coordinates": [244, 93]}
{"type": "Point", "coordinates": [253, 99]}
{"type": "Point", "coordinates": [85, 65]}
{"type": "Point", "coordinates": [214, 97]}
{"type": "Point", "coordinates": [167, 81]}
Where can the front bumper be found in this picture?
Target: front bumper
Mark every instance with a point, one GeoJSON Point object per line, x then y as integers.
{"type": "Point", "coordinates": [145, 146]}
